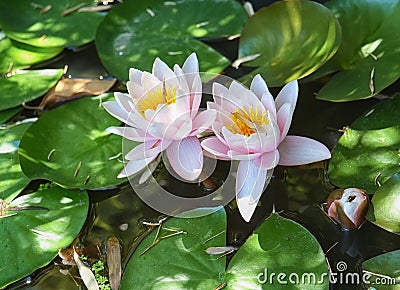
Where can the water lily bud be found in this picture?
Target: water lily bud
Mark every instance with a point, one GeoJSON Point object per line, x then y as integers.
{"type": "Point", "coordinates": [348, 207]}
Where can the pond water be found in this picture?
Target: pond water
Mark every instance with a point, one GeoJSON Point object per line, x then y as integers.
{"type": "Point", "coordinates": [298, 192]}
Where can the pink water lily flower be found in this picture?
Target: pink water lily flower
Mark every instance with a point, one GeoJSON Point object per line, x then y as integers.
{"type": "Point", "coordinates": [161, 111]}
{"type": "Point", "coordinates": [252, 127]}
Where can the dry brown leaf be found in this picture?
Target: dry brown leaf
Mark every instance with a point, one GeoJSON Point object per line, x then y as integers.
{"type": "Point", "coordinates": [71, 88]}
{"type": "Point", "coordinates": [114, 262]}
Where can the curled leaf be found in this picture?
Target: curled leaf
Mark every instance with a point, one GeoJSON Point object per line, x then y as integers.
{"type": "Point", "coordinates": [86, 274]}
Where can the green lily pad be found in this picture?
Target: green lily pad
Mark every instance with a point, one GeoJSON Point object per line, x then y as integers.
{"type": "Point", "coordinates": [70, 147]}
{"type": "Point", "coordinates": [25, 86]}
{"type": "Point", "coordinates": [289, 43]}
{"type": "Point", "coordinates": [385, 205]}
{"type": "Point", "coordinates": [179, 262]}
{"type": "Point", "coordinates": [7, 114]}
{"type": "Point", "coordinates": [279, 245]}
{"type": "Point", "coordinates": [383, 270]}
{"type": "Point", "coordinates": [279, 248]}
{"type": "Point", "coordinates": [15, 55]}
{"type": "Point", "coordinates": [368, 152]}
{"type": "Point", "coordinates": [134, 33]}
{"type": "Point", "coordinates": [31, 238]}
{"type": "Point", "coordinates": [28, 22]}
{"type": "Point", "coordinates": [368, 56]}
{"type": "Point", "coordinates": [12, 179]}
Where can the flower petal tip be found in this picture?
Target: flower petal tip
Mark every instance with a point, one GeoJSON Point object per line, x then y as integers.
{"type": "Point", "coordinates": [246, 208]}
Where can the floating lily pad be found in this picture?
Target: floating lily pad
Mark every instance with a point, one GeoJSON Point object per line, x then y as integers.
{"type": "Point", "coordinates": [179, 262]}
{"type": "Point", "coordinates": [368, 152]}
{"type": "Point", "coordinates": [31, 238]}
{"type": "Point", "coordinates": [289, 43]}
{"type": "Point", "coordinates": [279, 245]}
{"type": "Point", "coordinates": [70, 147]}
{"type": "Point", "coordinates": [134, 33]}
{"type": "Point", "coordinates": [383, 270]}
{"type": "Point", "coordinates": [385, 205]}
{"type": "Point", "coordinates": [15, 55]}
{"type": "Point", "coordinates": [25, 86]}
{"type": "Point", "coordinates": [12, 179]}
{"type": "Point", "coordinates": [368, 57]}
{"type": "Point", "coordinates": [7, 114]}
{"type": "Point", "coordinates": [42, 23]}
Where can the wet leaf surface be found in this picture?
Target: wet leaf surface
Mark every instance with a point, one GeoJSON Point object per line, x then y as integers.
{"type": "Point", "coordinates": [30, 238]}
{"type": "Point", "coordinates": [181, 262]}
{"type": "Point", "coordinates": [41, 23]}
{"type": "Point", "coordinates": [27, 85]}
{"type": "Point", "coordinates": [385, 205]}
{"type": "Point", "coordinates": [134, 33]}
{"type": "Point", "coordinates": [7, 114]}
{"type": "Point", "coordinates": [368, 152]}
{"type": "Point", "coordinates": [289, 44]}
{"type": "Point", "coordinates": [16, 55]}
{"type": "Point", "coordinates": [368, 57]}
{"type": "Point", "coordinates": [384, 270]}
{"type": "Point", "coordinates": [13, 180]}
{"type": "Point", "coordinates": [70, 147]}
{"type": "Point", "coordinates": [279, 245]}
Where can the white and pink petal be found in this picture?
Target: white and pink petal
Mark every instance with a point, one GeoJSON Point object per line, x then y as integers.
{"type": "Point", "coordinates": [284, 119]}
{"type": "Point", "coordinates": [250, 184]}
{"type": "Point", "coordinates": [134, 166]}
{"type": "Point", "coordinates": [214, 146]}
{"type": "Point", "coordinates": [146, 150]}
{"type": "Point", "coordinates": [186, 158]}
{"type": "Point", "coordinates": [161, 70]}
{"type": "Point", "coordinates": [258, 86]}
{"type": "Point", "coordinates": [288, 94]}
{"type": "Point", "coordinates": [298, 150]}
{"type": "Point", "coordinates": [268, 160]}
{"type": "Point", "coordinates": [130, 133]}
{"type": "Point", "coordinates": [203, 121]}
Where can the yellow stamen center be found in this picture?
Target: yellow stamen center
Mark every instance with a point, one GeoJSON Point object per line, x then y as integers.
{"type": "Point", "coordinates": [247, 122]}
{"type": "Point", "coordinates": [158, 96]}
